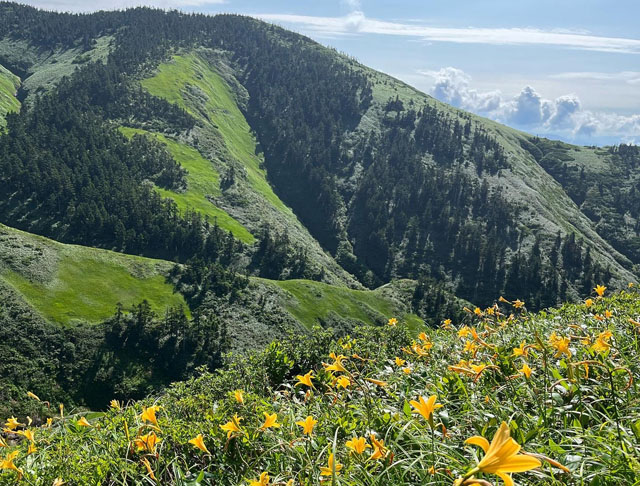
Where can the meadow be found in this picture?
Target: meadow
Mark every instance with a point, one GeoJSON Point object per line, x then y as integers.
{"type": "Point", "coordinates": [504, 397]}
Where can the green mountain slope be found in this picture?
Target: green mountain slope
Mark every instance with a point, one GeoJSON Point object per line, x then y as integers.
{"type": "Point", "coordinates": [9, 84]}
{"type": "Point", "coordinates": [70, 283]}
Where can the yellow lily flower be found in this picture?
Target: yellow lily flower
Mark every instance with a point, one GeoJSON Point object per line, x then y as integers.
{"type": "Point", "coordinates": [379, 450]}
{"type": "Point", "coordinates": [83, 422]}
{"type": "Point", "coordinates": [305, 379]}
{"type": "Point", "coordinates": [343, 382]}
{"type": "Point", "coordinates": [392, 322]}
{"type": "Point", "coordinates": [239, 396]}
{"type": "Point", "coordinates": [400, 361]}
{"type": "Point", "coordinates": [147, 442]}
{"type": "Point", "coordinates": [32, 395]}
{"type": "Point", "coordinates": [58, 482]}
{"type": "Point", "coordinates": [426, 408]}
{"type": "Point", "coordinates": [149, 415]}
{"type": "Point", "coordinates": [8, 464]}
{"type": "Point", "coordinates": [232, 426]}
{"type": "Point", "coordinates": [526, 370]}
{"type": "Point", "coordinates": [263, 480]}
{"type": "Point", "coordinates": [115, 404]}
{"type": "Point", "coordinates": [270, 421]}
{"type": "Point", "coordinates": [600, 290]}
{"type": "Point", "coordinates": [358, 445]}
{"type": "Point", "coordinates": [337, 364]}
{"type": "Point", "coordinates": [198, 442]}
{"type": "Point", "coordinates": [331, 467]}
{"type": "Point", "coordinates": [501, 456]}
{"type": "Point", "coordinates": [521, 350]}
{"type": "Point", "coordinates": [307, 425]}
{"type": "Point", "coordinates": [12, 423]}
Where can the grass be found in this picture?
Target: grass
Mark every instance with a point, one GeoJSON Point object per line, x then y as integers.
{"type": "Point", "coordinates": [311, 302]}
{"type": "Point", "coordinates": [216, 106]}
{"type": "Point", "coordinates": [9, 84]}
{"type": "Point", "coordinates": [68, 283]}
{"type": "Point", "coordinates": [202, 181]}
{"type": "Point", "coordinates": [578, 410]}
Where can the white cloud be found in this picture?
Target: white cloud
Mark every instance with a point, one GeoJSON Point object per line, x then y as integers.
{"type": "Point", "coordinates": [529, 110]}
{"type": "Point", "coordinates": [629, 77]}
{"type": "Point", "coordinates": [84, 6]}
{"type": "Point", "coordinates": [471, 35]}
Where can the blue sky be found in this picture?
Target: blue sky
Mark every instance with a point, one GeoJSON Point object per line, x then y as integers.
{"type": "Point", "coordinates": [564, 68]}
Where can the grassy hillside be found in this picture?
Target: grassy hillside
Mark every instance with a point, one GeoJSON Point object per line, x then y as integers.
{"type": "Point", "coordinates": [386, 406]}
{"type": "Point", "coordinates": [9, 84]}
{"type": "Point", "coordinates": [69, 283]}
{"type": "Point", "coordinates": [203, 183]}
{"type": "Point", "coordinates": [313, 302]}
{"type": "Point", "coordinates": [190, 82]}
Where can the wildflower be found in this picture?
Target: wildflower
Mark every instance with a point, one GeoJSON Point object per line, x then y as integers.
{"type": "Point", "coordinates": [588, 303]}
{"type": "Point", "coordinates": [560, 344]}
{"type": "Point", "coordinates": [149, 415]}
{"type": "Point", "coordinates": [32, 395]}
{"type": "Point", "coordinates": [49, 422]}
{"type": "Point", "coordinates": [518, 303]}
{"type": "Point", "coordinates": [147, 442]}
{"type": "Point", "coordinates": [146, 464]}
{"type": "Point", "coordinates": [61, 407]}
{"type": "Point", "coordinates": [305, 379]}
{"type": "Point", "coordinates": [83, 422]}
{"type": "Point", "coordinates": [426, 408]}
{"type": "Point", "coordinates": [337, 364]}
{"type": "Point", "coordinates": [58, 482]}
{"type": "Point", "coordinates": [379, 450]}
{"type": "Point", "coordinates": [358, 445]}
{"type": "Point", "coordinates": [600, 290]}
{"type": "Point", "coordinates": [608, 314]}
{"type": "Point", "coordinates": [332, 467]}
{"type": "Point", "coordinates": [232, 426]}
{"type": "Point", "coordinates": [479, 368]}
{"type": "Point", "coordinates": [464, 332]}
{"type": "Point", "coordinates": [2, 442]}
{"type": "Point", "coordinates": [526, 370]}
{"type": "Point", "coordinates": [392, 322]}
{"type": "Point", "coordinates": [32, 448]}
{"type": "Point", "coordinates": [477, 311]}
{"type": "Point", "coordinates": [400, 362]}
{"type": "Point", "coordinates": [270, 421]}
{"type": "Point", "coordinates": [9, 465]}
{"type": "Point", "coordinates": [490, 311]}
{"type": "Point", "coordinates": [470, 347]}
{"type": "Point", "coordinates": [27, 434]}
{"type": "Point", "coordinates": [521, 350]}
{"type": "Point", "coordinates": [115, 404]}
{"type": "Point", "coordinates": [406, 370]}
{"type": "Point", "coordinates": [502, 299]}
{"type": "Point", "coordinates": [239, 396]}
{"type": "Point", "coordinates": [12, 423]}
{"type": "Point", "coordinates": [630, 285]}
{"type": "Point", "coordinates": [343, 382]}
{"type": "Point", "coordinates": [263, 480]}
{"type": "Point", "coordinates": [602, 344]}
{"type": "Point", "coordinates": [423, 336]}
{"type": "Point", "coordinates": [446, 323]}
{"type": "Point", "coordinates": [307, 425]}
{"type": "Point", "coordinates": [198, 442]}
{"type": "Point", "coordinates": [501, 456]}
{"type": "Point", "coordinates": [376, 382]}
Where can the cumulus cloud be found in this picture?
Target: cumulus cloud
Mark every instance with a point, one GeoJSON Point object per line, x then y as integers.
{"type": "Point", "coordinates": [529, 110]}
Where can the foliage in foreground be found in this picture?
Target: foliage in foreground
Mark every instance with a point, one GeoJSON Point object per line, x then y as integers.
{"type": "Point", "coordinates": [380, 407]}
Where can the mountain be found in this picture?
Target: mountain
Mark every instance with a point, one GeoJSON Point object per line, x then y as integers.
{"type": "Point", "coordinates": [247, 182]}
